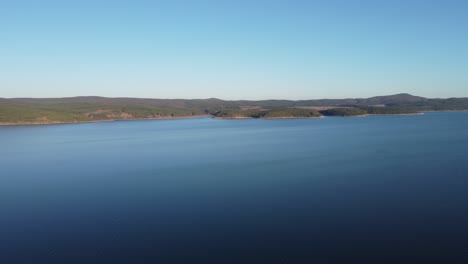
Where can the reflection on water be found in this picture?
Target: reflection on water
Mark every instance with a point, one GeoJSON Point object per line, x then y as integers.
{"type": "Point", "coordinates": [232, 191]}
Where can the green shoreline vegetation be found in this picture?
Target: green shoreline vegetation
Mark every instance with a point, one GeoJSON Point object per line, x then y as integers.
{"type": "Point", "coordinates": [267, 114]}
{"type": "Point", "coordinates": [22, 111]}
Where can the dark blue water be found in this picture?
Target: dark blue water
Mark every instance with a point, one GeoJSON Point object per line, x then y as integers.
{"type": "Point", "coordinates": [368, 189]}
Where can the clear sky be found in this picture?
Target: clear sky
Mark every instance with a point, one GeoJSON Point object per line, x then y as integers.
{"type": "Point", "coordinates": [238, 49]}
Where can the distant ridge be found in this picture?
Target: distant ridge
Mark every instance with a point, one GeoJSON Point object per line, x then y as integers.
{"type": "Point", "coordinates": [91, 98]}
{"type": "Point", "coordinates": [394, 99]}
{"type": "Point", "coordinates": [96, 108]}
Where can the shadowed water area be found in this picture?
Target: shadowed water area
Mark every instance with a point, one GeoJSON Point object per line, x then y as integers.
{"type": "Point", "coordinates": [373, 189]}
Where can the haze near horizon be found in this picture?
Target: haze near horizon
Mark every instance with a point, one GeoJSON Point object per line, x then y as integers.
{"type": "Point", "coordinates": [234, 49]}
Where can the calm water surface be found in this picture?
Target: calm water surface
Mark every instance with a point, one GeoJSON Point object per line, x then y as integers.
{"type": "Point", "coordinates": [373, 189]}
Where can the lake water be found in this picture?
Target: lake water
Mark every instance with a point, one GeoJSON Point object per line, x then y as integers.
{"type": "Point", "coordinates": [373, 189]}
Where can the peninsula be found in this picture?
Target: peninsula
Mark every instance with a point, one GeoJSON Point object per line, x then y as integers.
{"type": "Point", "coordinates": [24, 111]}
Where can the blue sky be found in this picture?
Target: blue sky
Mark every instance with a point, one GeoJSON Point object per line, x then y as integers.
{"type": "Point", "coordinates": [233, 49]}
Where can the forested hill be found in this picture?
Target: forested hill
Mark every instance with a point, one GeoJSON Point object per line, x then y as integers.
{"type": "Point", "coordinates": [92, 108]}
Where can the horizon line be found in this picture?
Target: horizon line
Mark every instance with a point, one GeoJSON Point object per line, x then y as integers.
{"type": "Point", "coordinates": [216, 98]}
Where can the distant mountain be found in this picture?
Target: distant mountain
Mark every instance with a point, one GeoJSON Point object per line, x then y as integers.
{"type": "Point", "coordinates": [393, 99]}
{"type": "Point", "coordinates": [95, 108]}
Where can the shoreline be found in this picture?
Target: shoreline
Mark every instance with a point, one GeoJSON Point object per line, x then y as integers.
{"type": "Point", "coordinates": [98, 121]}
{"type": "Point", "coordinates": [408, 114]}
{"type": "Point", "coordinates": [232, 118]}
{"type": "Point", "coordinates": [203, 116]}
{"type": "Point", "coordinates": [294, 117]}
{"type": "Point", "coordinates": [431, 111]}
{"type": "Point", "coordinates": [267, 118]}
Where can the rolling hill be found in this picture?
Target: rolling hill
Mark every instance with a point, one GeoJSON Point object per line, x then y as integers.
{"type": "Point", "coordinates": [93, 108]}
